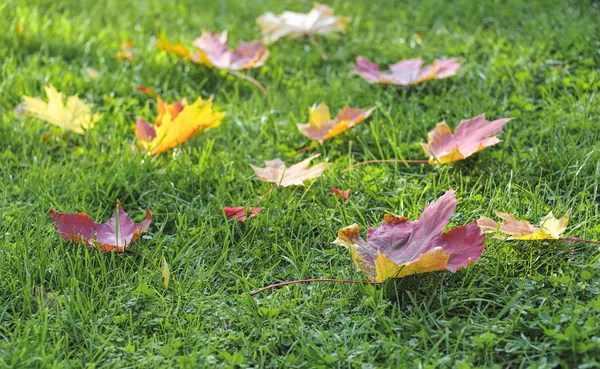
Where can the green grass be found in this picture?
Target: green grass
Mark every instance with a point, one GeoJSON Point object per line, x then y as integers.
{"type": "Point", "coordinates": [522, 305]}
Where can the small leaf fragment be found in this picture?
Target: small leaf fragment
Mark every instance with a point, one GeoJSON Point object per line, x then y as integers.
{"type": "Point", "coordinates": [166, 273]}
{"type": "Point", "coordinates": [241, 213]}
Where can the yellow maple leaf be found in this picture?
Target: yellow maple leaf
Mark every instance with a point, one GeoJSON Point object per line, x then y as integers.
{"type": "Point", "coordinates": [75, 115]}
{"type": "Point", "coordinates": [513, 229]}
{"type": "Point", "coordinates": [177, 124]}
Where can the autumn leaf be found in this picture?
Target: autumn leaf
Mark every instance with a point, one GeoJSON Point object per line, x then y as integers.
{"type": "Point", "coordinates": [126, 52]}
{"type": "Point", "coordinates": [114, 235]}
{"type": "Point", "coordinates": [343, 195]}
{"type": "Point", "coordinates": [471, 135]}
{"type": "Point", "coordinates": [148, 91]}
{"type": "Point", "coordinates": [211, 50]}
{"type": "Point", "coordinates": [75, 115]}
{"type": "Point", "coordinates": [319, 21]}
{"type": "Point", "coordinates": [406, 72]}
{"type": "Point", "coordinates": [513, 229]}
{"type": "Point", "coordinates": [276, 172]}
{"type": "Point", "coordinates": [401, 247]}
{"type": "Point", "coordinates": [241, 213]}
{"type": "Point", "coordinates": [166, 273]}
{"type": "Point", "coordinates": [321, 127]}
{"type": "Point", "coordinates": [175, 123]}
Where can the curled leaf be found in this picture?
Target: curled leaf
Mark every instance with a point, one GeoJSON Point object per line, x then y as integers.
{"type": "Point", "coordinates": [471, 135]}
{"type": "Point", "coordinates": [175, 123]}
{"type": "Point", "coordinates": [241, 213]}
{"type": "Point", "coordinates": [319, 21]}
{"type": "Point", "coordinates": [114, 235]}
{"type": "Point", "coordinates": [321, 127]}
{"type": "Point", "coordinates": [513, 229]}
{"type": "Point", "coordinates": [211, 50]}
{"type": "Point", "coordinates": [406, 72]}
{"type": "Point", "coordinates": [276, 172]}
{"type": "Point", "coordinates": [75, 116]}
{"type": "Point", "coordinates": [343, 195]}
{"type": "Point", "coordinates": [401, 247]}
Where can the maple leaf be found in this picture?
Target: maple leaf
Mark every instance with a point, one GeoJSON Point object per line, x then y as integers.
{"type": "Point", "coordinates": [276, 172]}
{"type": "Point", "coordinates": [114, 235]}
{"type": "Point", "coordinates": [175, 123]}
{"type": "Point", "coordinates": [343, 195]}
{"type": "Point", "coordinates": [212, 51]}
{"type": "Point", "coordinates": [406, 72]}
{"type": "Point", "coordinates": [401, 247]}
{"type": "Point", "coordinates": [319, 21]}
{"type": "Point", "coordinates": [166, 273]}
{"type": "Point", "coordinates": [240, 213]}
{"type": "Point", "coordinates": [321, 127]}
{"type": "Point", "coordinates": [126, 52]}
{"type": "Point", "coordinates": [513, 229]}
{"type": "Point", "coordinates": [75, 115]}
{"type": "Point", "coordinates": [471, 135]}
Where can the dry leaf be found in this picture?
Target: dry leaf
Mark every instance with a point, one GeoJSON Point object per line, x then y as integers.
{"type": "Point", "coordinates": [321, 127]}
{"type": "Point", "coordinates": [176, 123]}
{"type": "Point", "coordinates": [513, 229]}
{"type": "Point", "coordinates": [320, 21]}
{"type": "Point", "coordinates": [114, 235]}
{"type": "Point", "coordinates": [276, 172]}
{"type": "Point", "coordinates": [400, 247]}
{"type": "Point", "coordinates": [406, 72]}
{"type": "Point", "coordinates": [471, 135]}
{"type": "Point", "coordinates": [75, 115]}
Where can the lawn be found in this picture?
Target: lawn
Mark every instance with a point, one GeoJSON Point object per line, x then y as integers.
{"type": "Point", "coordinates": [523, 304]}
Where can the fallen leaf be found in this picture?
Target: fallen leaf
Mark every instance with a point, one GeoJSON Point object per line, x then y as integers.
{"type": "Point", "coordinates": [406, 72]}
{"type": "Point", "coordinates": [175, 123]}
{"type": "Point", "coordinates": [513, 229]}
{"type": "Point", "coordinates": [401, 247]}
{"type": "Point", "coordinates": [276, 172]}
{"type": "Point", "coordinates": [75, 115]}
{"type": "Point", "coordinates": [343, 195]}
{"type": "Point", "coordinates": [319, 21]}
{"type": "Point", "coordinates": [114, 235]}
{"type": "Point", "coordinates": [148, 91]}
{"type": "Point", "coordinates": [166, 273]}
{"type": "Point", "coordinates": [212, 51]}
{"type": "Point", "coordinates": [127, 51]}
{"type": "Point", "coordinates": [19, 29]}
{"type": "Point", "coordinates": [471, 135]}
{"type": "Point", "coordinates": [240, 213]}
{"type": "Point", "coordinates": [321, 127]}
{"type": "Point", "coordinates": [92, 73]}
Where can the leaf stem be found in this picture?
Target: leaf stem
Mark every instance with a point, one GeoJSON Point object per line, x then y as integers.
{"type": "Point", "coordinates": [316, 43]}
{"type": "Point", "coordinates": [318, 280]}
{"type": "Point", "coordinates": [385, 161]}
{"type": "Point", "coordinates": [575, 239]}
{"type": "Point", "coordinates": [306, 148]}
{"type": "Point", "coordinates": [131, 252]}
{"type": "Point", "coordinates": [251, 80]}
